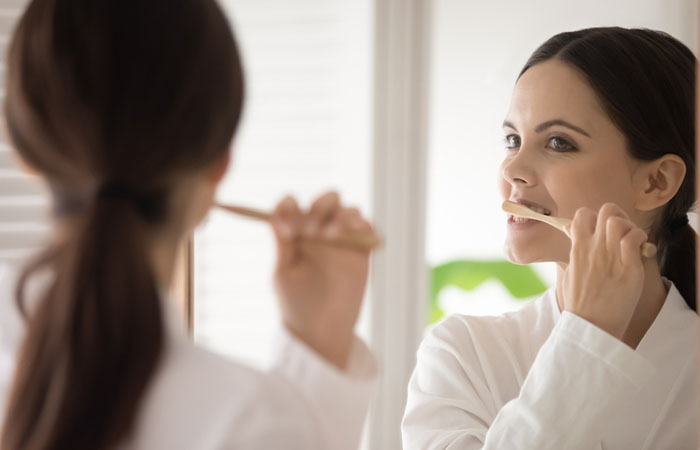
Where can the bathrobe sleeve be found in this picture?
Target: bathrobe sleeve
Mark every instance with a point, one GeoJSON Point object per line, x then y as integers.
{"type": "Point", "coordinates": [307, 403]}
{"type": "Point", "coordinates": [579, 377]}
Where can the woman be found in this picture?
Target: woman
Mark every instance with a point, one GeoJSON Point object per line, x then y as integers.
{"type": "Point", "coordinates": [127, 111]}
{"type": "Point", "coordinates": [600, 129]}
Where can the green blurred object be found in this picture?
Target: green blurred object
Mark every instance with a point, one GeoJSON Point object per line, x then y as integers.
{"type": "Point", "coordinates": [520, 281]}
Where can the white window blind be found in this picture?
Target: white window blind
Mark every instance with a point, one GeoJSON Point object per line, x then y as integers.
{"type": "Point", "coordinates": [23, 201]}
{"type": "Point", "coordinates": [306, 128]}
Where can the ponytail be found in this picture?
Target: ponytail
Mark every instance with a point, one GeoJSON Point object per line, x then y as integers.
{"type": "Point", "coordinates": [95, 94]}
{"type": "Point", "coordinates": [676, 256]}
{"type": "Point", "coordinates": [94, 340]}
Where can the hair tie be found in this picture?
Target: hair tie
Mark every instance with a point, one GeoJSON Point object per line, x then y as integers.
{"type": "Point", "coordinates": [679, 222]}
{"type": "Point", "coordinates": [150, 205]}
{"type": "Point", "coordinates": [115, 189]}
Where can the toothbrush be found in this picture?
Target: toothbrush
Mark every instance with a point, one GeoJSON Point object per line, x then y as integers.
{"type": "Point", "coordinates": [648, 249]}
{"type": "Point", "coordinates": [369, 241]}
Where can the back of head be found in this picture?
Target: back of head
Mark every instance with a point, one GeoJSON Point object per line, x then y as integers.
{"type": "Point", "coordinates": [113, 102]}
{"type": "Point", "coordinates": [645, 80]}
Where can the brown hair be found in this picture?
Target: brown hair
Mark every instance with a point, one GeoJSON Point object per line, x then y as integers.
{"type": "Point", "coordinates": [646, 81]}
{"type": "Point", "coordinates": [112, 102]}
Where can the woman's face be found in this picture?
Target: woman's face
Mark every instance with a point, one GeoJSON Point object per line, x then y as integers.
{"type": "Point", "coordinates": [562, 152]}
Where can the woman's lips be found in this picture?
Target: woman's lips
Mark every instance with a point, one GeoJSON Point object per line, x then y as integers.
{"type": "Point", "coordinates": [520, 223]}
{"type": "Point", "coordinates": [532, 205]}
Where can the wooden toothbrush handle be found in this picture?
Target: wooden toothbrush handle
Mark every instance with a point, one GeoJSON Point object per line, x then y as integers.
{"type": "Point", "coordinates": [648, 250]}
{"type": "Point", "coordinates": [359, 241]}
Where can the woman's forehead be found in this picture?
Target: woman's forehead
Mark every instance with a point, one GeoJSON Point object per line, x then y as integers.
{"type": "Point", "coordinates": [555, 90]}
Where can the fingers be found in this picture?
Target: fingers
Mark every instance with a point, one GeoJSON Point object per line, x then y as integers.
{"type": "Point", "coordinates": [322, 212]}
{"type": "Point", "coordinates": [609, 210]}
{"type": "Point", "coordinates": [286, 222]}
{"type": "Point", "coordinates": [326, 218]}
{"type": "Point", "coordinates": [582, 226]}
{"type": "Point", "coordinates": [630, 246]}
{"type": "Point", "coordinates": [613, 223]}
{"type": "Point", "coordinates": [615, 229]}
{"type": "Point", "coordinates": [604, 232]}
{"type": "Point", "coordinates": [346, 221]}
{"type": "Point", "coordinates": [286, 219]}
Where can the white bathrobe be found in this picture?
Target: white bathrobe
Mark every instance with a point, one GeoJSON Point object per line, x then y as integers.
{"type": "Point", "coordinates": [202, 401]}
{"type": "Point", "coordinates": [541, 379]}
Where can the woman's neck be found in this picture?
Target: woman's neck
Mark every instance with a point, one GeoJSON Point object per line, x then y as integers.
{"type": "Point", "coordinates": [165, 254]}
{"type": "Point", "coordinates": [650, 302]}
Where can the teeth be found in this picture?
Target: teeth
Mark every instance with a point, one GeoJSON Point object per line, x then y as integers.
{"type": "Point", "coordinates": [546, 212]}
{"type": "Point", "coordinates": [519, 219]}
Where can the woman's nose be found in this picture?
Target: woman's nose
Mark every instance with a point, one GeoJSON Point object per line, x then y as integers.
{"type": "Point", "coordinates": [519, 169]}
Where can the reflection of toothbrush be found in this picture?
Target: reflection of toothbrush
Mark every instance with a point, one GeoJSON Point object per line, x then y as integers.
{"type": "Point", "coordinates": [648, 249]}
{"type": "Point", "coordinates": [358, 241]}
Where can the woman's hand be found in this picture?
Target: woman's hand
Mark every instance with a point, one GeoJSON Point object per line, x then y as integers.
{"type": "Point", "coordinates": [605, 275]}
{"type": "Point", "coordinates": [320, 286]}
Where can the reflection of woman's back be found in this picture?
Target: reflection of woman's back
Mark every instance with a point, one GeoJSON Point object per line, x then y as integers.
{"type": "Point", "coordinates": [126, 111]}
{"type": "Point", "coordinates": [600, 130]}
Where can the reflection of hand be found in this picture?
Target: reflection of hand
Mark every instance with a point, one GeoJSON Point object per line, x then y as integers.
{"type": "Point", "coordinates": [604, 278]}
{"type": "Point", "coordinates": [320, 286]}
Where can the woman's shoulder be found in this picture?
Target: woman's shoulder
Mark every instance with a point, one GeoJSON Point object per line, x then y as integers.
{"type": "Point", "coordinates": [213, 378]}
{"type": "Point", "coordinates": [197, 392]}
{"type": "Point", "coordinates": [530, 325]}
{"type": "Point", "coordinates": [466, 356]}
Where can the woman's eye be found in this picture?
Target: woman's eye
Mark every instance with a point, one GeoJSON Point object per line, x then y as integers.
{"type": "Point", "coordinates": [561, 145]}
{"type": "Point", "coordinates": [512, 141]}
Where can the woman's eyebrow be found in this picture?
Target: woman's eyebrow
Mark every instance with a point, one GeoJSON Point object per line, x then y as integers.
{"type": "Point", "coordinates": [509, 125]}
{"type": "Point", "coordinates": [543, 126]}
{"type": "Point", "coordinates": [550, 123]}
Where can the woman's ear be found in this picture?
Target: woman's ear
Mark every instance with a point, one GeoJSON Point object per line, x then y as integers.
{"type": "Point", "coordinates": [658, 181]}
{"type": "Point", "coordinates": [24, 166]}
{"type": "Point", "coordinates": [217, 170]}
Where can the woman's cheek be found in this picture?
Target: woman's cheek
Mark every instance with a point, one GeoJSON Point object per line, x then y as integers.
{"type": "Point", "coordinates": [571, 191]}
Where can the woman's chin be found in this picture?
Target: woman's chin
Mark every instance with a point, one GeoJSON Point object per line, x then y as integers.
{"type": "Point", "coordinates": [522, 256]}
{"type": "Point", "coordinates": [527, 249]}
{"type": "Point", "coordinates": [517, 258]}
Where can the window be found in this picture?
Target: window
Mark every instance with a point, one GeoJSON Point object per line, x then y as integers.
{"type": "Point", "coordinates": [306, 128]}
{"type": "Point", "coordinates": [23, 203]}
